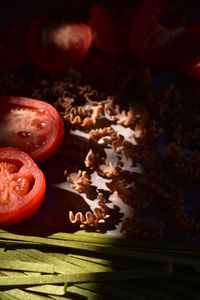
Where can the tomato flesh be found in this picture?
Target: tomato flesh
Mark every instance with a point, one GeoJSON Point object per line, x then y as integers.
{"type": "Point", "coordinates": [31, 125]}
{"type": "Point", "coordinates": [57, 47]}
{"type": "Point", "coordinates": [22, 186]}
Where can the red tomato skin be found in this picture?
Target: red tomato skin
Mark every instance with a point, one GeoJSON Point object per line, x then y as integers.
{"type": "Point", "coordinates": [192, 67]}
{"type": "Point", "coordinates": [194, 31]}
{"type": "Point", "coordinates": [154, 39]}
{"type": "Point", "coordinates": [21, 208]}
{"type": "Point", "coordinates": [69, 50]}
{"type": "Point", "coordinates": [110, 31]}
{"type": "Point", "coordinates": [55, 131]}
{"type": "Point", "coordinates": [97, 63]}
{"type": "Point", "coordinates": [12, 47]}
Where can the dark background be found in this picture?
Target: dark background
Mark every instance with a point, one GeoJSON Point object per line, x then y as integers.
{"type": "Point", "coordinates": [24, 11]}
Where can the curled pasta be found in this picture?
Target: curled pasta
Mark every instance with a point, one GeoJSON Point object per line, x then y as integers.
{"type": "Point", "coordinates": [97, 134]}
{"type": "Point", "coordinates": [185, 161]}
{"type": "Point", "coordinates": [109, 170]}
{"type": "Point", "coordinates": [136, 114]}
{"type": "Point", "coordinates": [159, 188]}
{"type": "Point", "coordinates": [182, 221]}
{"type": "Point", "coordinates": [96, 113]}
{"type": "Point", "coordinates": [96, 163]}
{"type": "Point", "coordinates": [130, 194]}
{"type": "Point", "coordinates": [90, 219]}
{"type": "Point", "coordinates": [79, 181]}
{"type": "Point", "coordinates": [93, 160]}
{"type": "Point", "coordinates": [141, 228]}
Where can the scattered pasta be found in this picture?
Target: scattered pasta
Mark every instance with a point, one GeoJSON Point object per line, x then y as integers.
{"type": "Point", "coordinates": [142, 156]}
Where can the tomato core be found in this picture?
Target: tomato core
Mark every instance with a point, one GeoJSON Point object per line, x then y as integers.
{"type": "Point", "coordinates": [21, 186]}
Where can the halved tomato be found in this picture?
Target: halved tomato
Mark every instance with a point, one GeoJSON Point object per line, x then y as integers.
{"type": "Point", "coordinates": [110, 28]}
{"type": "Point", "coordinates": [22, 186]}
{"type": "Point", "coordinates": [55, 47]}
{"type": "Point", "coordinates": [158, 35]}
{"type": "Point", "coordinates": [12, 47]}
{"type": "Point", "coordinates": [31, 125]}
{"type": "Point", "coordinates": [194, 31]}
{"type": "Point", "coordinates": [191, 65]}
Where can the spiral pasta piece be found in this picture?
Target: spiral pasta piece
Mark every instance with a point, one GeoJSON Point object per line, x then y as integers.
{"type": "Point", "coordinates": [90, 219]}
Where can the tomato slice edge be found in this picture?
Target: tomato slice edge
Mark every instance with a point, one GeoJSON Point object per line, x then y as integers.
{"type": "Point", "coordinates": [28, 205]}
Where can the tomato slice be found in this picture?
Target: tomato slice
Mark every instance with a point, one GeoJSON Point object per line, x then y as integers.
{"type": "Point", "coordinates": [31, 125]}
{"type": "Point", "coordinates": [22, 186]}
{"type": "Point", "coordinates": [158, 36]}
{"type": "Point", "coordinates": [110, 30]}
{"type": "Point", "coordinates": [12, 47]}
{"type": "Point", "coordinates": [55, 47]}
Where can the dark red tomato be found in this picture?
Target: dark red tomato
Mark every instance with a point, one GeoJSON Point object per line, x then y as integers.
{"type": "Point", "coordinates": [191, 64]}
{"type": "Point", "coordinates": [31, 125]}
{"type": "Point", "coordinates": [158, 36]}
{"type": "Point", "coordinates": [56, 47]}
{"type": "Point", "coordinates": [192, 67]}
{"type": "Point", "coordinates": [110, 30]}
{"type": "Point", "coordinates": [194, 30]}
{"type": "Point", "coordinates": [97, 63]}
{"type": "Point", "coordinates": [12, 47]}
{"type": "Point", "coordinates": [22, 186]}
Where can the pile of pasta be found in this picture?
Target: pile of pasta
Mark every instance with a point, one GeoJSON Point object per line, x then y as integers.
{"type": "Point", "coordinates": [136, 168]}
{"type": "Point", "coordinates": [121, 164]}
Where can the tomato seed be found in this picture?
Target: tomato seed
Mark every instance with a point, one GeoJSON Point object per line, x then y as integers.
{"type": "Point", "coordinates": [8, 167]}
{"type": "Point", "coordinates": [24, 133]}
{"type": "Point", "coordinates": [4, 195]}
{"type": "Point", "coordinates": [38, 124]}
{"type": "Point", "coordinates": [22, 186]}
